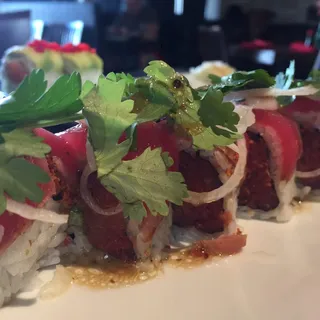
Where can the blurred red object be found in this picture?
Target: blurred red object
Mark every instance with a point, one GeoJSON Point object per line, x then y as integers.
{"type": "Point", "coordinates": [300, 47]}
{"type": "Point", "coordinates": [257, 44]}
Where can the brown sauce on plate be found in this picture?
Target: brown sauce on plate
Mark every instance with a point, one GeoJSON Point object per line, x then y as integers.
{"type": "Point", "coordinates": [98, 273]}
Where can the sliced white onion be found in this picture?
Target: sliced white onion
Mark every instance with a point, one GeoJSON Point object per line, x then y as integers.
{"type": "Point", "coordinates": [247, 117]}
{"type": "Point", "coordinates": [90, 157]}
{"type": "Point", "coordinates": [31, 213]}
{"type": "Point", "coordinates": [88, 199]}
{"type": "Point", "coordinates": [234, 147]}
{"type": "Point", "coordinates": [272, 92]}
{"type": "Point", "coordinates": [197, 198]}
{"type": "Point", "coordinates": [1, 232]}
{"type": "Point", "coordinates": [308, 174]}
{"type": "Point", "coordinates": [265, 103]}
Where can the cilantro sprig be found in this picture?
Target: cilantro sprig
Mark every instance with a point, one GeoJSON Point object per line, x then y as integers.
{"type": "Point", "coordinates": [203, 115]}
{"type": "Point", "coordinates": [241, 80]}
{"type": "Point", "coordinates": [32, 105]}
{"type": "Point", "coordinates": [143, 180]}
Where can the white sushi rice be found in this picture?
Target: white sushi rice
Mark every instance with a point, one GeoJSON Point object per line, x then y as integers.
{"type": "Point", "coordinates": [33, 249]}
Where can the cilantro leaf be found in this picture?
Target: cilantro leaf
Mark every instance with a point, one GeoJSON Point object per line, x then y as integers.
{"type": "Point", "coordinates": [314, 75]}
{"type": "Point", "coordinates": [214, 79]}
{"type": "Point", "coordinates": [153, 112]}
{"type": "Point", "coordinates": [213, 112]}
{"type": "Point", "coordinates": [207, 139]}
{"type": "Point", "coordinates": [128, 78]}
{"type": "Point", "coordinates": [20, 178]}
{"type": "Point", "coordinates": [157, 102]}
{"type": "Point", "coordinates": [108, 117]}
{"type": "Point", "coordinates": [161, 71]}
{"type": "Point", "coordinates": [203, 137]}
{"type": "Point", "coordinates": [135, 210]}
{"type": "Point", "coordinates": [31, 103]}
{"type": "Point", "coordinates": [21, 142]}
{"type": "Point", "coordinates": [242, 80]}
{"type": "Point", "coordinates": [146, 179]}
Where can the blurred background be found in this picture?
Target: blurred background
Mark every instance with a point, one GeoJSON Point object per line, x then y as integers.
{"type": "Point", "coordinates": [247, 34]}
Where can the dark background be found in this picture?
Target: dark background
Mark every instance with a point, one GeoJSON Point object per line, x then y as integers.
{"type": "Point", "coordinates": [185, 39]}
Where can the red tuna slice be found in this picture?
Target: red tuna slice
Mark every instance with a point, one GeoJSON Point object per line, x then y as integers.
{"type": "Point", "coordinates": [306, 112]}
{"type": "Point", "coordinates": [12, 225]}
{"type": "Point", "coordinates": [223, 245]}
{"type": "Point", "coordinates": [200, 176]}
{"type": "Point", "coordinates": [75, 139]}
{"type": "Point", "coordinates": [69, 151]}
{"type": "Point", "coordinates": [283, 139]}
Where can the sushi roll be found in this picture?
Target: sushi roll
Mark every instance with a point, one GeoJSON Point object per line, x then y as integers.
{"type": "Point", "coordinates": [19, 61]}
{"type": "Point", "coordinates": [55, 60]}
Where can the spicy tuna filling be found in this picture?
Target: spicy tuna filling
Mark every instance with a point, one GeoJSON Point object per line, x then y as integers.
{"type": "Point", "coordinates": [309, 160]}
{"type": "Point", "coordinates": [107, 232]}
{"type": "Point", "coordinates": [257, 190]}
{"type": "Point", "coordinates": [200, 176]}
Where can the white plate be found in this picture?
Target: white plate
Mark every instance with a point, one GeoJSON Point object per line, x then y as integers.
{"type": "Point", "coordinates": [277, 276]}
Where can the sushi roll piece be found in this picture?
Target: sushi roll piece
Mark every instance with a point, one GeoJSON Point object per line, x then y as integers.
{"type": "Point", "coordinates": [39, 175]}
{"type": "Point", "coordinates": [30, 232]}
{"type": "Point", "coordinates": [55, 60]}
{"type": "Point", "coordinates": [213, 178]}
{"type": "Point", "coordinates": [274, 148]}
{"type": "Point", "coordinates": [104, 223]}
{"type": "Point", "coordinates": [19, 61]}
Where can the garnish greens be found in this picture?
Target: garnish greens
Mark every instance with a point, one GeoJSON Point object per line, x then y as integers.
{"type": "Point", "coordinates": [169, 94]}
{"type": "Point", "coordinates": [31, 106]}
{"type": "Point", "coordinates": [313, 80]}
{"type": "Point", "coordinates": [143, 180]}
{"type": "Point", "coordinates": [241, 80]}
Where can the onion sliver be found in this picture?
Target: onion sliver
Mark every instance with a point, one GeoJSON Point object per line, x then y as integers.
{"type": "Point", "coordinates": [90, 157]}
{"type": "Point", "coordinates": [88, 199]}
{"type": "Point", "coordinates": [272, 92]}
{"type": "Point", "coordinates": [308, 174]}
{"type": "Point", "coordinates": [196, 198]}
{"type": "Point", "coordinates": [41, 214]}
{"type": "Point", "coordinates": [265, 103]}
{"type": "Point", "coordinates": [1, 232]}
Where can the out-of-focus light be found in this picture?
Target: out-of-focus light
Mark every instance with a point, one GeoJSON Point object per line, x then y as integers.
{"type": "Point", "coordinates": [266, 57]}
{"type": "Point", "coordinates": [212, 10]}
{"type": "Point", "coordinates": [178, 7]}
